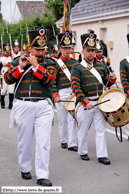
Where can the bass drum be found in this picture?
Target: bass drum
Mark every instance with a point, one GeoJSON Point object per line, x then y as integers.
{"type": "Point", "coordinates": [116, 111]}
{"type": "Point", "coordinates": [70, 105]}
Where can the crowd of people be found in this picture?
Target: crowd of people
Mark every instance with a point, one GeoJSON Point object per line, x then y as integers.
{"type": "Point", "coordinates": [38, 81]}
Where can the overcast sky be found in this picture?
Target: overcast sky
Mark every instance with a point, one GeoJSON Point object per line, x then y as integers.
{"type": "Point", "coordinates": [7, 8]}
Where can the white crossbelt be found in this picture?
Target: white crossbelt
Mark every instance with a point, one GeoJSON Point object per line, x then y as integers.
{"type": "Point", "coordinates": [92, 70]}
{"type": "Point", "coordinates": [64, 68]}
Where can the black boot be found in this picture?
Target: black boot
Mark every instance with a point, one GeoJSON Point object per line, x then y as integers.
{"type": "Point", "coordinates": [2, 101]}
{"type": "Point", "coordinates": [11, 101]}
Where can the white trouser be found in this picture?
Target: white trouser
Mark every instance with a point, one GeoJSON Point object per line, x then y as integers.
{"type": "Point", "coordinates": [126, 128]}
{"type": "Point", "coordinates": [63, 117]}
{"type": "Point", "coordinates": [6, 86]}
{"type": "Point", "coordinates": [85, 118]}
{"type": "Point", "coordinates": [33, 117]}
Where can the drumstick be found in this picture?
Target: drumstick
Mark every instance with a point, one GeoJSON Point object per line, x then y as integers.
{"type": "Point", "coordinates": [99, 103]}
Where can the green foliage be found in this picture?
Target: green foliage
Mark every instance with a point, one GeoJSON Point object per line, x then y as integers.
{"type": "Point", "coordinates": [33, 23]}
{"type": "Point", "coordinates": [57, 7]}
{"type": "Point", "coordinates": [1, 18]}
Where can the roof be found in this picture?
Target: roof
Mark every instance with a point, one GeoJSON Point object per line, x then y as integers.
{"type": "Point", "coordinates": [92, 10]}
{"type": "Point", "coordinates": [30, 8]}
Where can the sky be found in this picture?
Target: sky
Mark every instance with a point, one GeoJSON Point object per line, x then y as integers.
{"type": "Point", "coordinates": [7, 8]}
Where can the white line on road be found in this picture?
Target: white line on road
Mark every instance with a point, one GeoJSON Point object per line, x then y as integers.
{"type": "Point", "coordinates": [109, 130]}
{"type": "Point", "coordinates": [113, 132]}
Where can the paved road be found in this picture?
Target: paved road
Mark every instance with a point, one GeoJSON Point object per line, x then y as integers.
{"type": "Point", "coordinates": [66, 168]}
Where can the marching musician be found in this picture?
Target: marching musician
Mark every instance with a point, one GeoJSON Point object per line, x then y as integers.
{"type": "Point", "coordinates": [24, 50]}
{"type": "Point", "coordinates": [6, 63]}
{"type": "Point", "coordinates": [124, 75]}
{"type": "Point", "coordinates": [88, 88]}
{"type": "Point", "coordinates": [33, 106]}
{"type": "Point", "coordinates": [16, 47]}
{"type": "Point", "coordinates": [75, 55]}
{"type": "Point", "coordinates": [62, 91]}
{"type": "Point", "coordinates": [55, 51]}
{"type": "Point", "coordinates": [100, 57]}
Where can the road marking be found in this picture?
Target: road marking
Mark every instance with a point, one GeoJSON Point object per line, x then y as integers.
{"type": "Point", "coordinates": [109, 130]}
{"type": "Point", "coordinates": [113, 132]}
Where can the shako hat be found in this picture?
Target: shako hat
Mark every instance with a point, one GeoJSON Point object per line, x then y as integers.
{"type": "Point", "coordinates": [128, 38]}
{"type": "Point", "coordinates": [6, 47]}
{"type": "Point", "coordinates": [89, 40]}
{"type": "Point", "coordinates": [24, 48]}
{"type": "Point", "coordinates": [54, 48]}
{"type": "Point", "coordinates": [99, 46]}
{"type": "Point", "coordinates": [65, 39]}
{"type": "Point", "coordinates": [38, 38]}
{"type": "Point", "coordinates": [16, 43]}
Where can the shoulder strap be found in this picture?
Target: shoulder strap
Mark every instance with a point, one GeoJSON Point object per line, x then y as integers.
{"type": "Point", "coordinates": [92, 70]}
{"type": "Point", "coordinates": [64, 68]}
{"type": "Point", "coordinates": [21, 79]}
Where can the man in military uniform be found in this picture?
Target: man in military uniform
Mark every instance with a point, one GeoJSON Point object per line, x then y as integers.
{"type": "Point", "coordinates": [6, 63]}
{"type": "Point", "coordinates": [88, 87]}
{"type": "Point", "coordinates": [24, 50]}
{"type": "Point", "coordinates": [100, 57]}
{"type": "Point", "coordinates": [75, 55]}
{"type": "Point", "coordinates": [55, 51]}
{"type": "Point", "coordinates": [124, 75]}
{"type": "Point", "coordinates": [33, 106]}
{"type": "Point", "coordinates": [16, 47]}
{"type": "Point", "coordinates": [62, 91]}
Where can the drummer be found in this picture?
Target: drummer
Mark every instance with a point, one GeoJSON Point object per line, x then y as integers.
{"type": "Point", "coordinates": [88, 89]}
{"type": "Point", "coordinates": [124, 71]}
{"type": "Point", "coordinates": [100, 57]}
{"type": "Point", "coordinates": [62, 91]}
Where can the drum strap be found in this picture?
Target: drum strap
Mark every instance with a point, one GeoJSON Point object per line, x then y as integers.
{"type": "Point", "coordinates": [92, 70]}
{"type": "Point", "coordinates": [64, 68]}
{"type": "Point", "coordinates": [127, 58]}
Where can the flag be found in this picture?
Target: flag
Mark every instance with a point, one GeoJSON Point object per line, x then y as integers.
{"type": "Point", "coordinates": [67, 16]}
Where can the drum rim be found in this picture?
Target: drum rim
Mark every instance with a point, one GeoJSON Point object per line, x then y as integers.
{"type": "Point", "coordinates": [113, 89]}
{"type": "Point", "coordinates": [66, 104]}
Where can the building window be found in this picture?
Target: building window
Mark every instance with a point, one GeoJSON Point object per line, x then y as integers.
{"type": "Point", "coordinates": [103, 35]}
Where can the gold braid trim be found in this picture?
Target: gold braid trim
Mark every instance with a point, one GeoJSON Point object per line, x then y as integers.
{"type": "Point", "coordinates": [93, 84]}
{"type": "Point", "coordinates": [25, 81]}
{"type": "Point", "coordinates": [36, 91]}
{"type": "Point", "coordinates": [89, 76]}
{"type": "Point", "coordinates": [24, 91]}
{"type": "Point", "coordinates": [65, 84]}
{"type": "Point", "coordinates": [63, 78]}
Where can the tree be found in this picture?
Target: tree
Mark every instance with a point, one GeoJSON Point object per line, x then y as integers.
{"type": "Point", "coordinates": [57, 7]}
{"type": "Point", "coordinates": [47, 20]}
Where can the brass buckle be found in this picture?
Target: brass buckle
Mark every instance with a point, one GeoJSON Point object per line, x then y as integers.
{"type": "Point", "coordinates": [33, 100]}
{"type": "Point", "coordinates": [89, 67]}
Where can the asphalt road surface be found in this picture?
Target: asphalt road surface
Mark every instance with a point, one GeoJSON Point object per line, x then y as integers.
{"type": "Point", "coordinates": [67, 170]}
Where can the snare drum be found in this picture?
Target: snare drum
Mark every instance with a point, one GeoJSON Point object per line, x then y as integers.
{"type": "Point", "coordinates": [70, 105]}
{"type": "Point", "coordinates": [116, 111]}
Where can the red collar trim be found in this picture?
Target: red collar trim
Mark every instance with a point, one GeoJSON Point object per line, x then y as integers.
{"type": "Point", "coordinates": [15, 53]}
{"type": "Point", "coordinates": [98, 58]}
{"type": "Point", "coordinates": [65, 59]}
{"type": "Point", "coordinates": [4, 56]}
